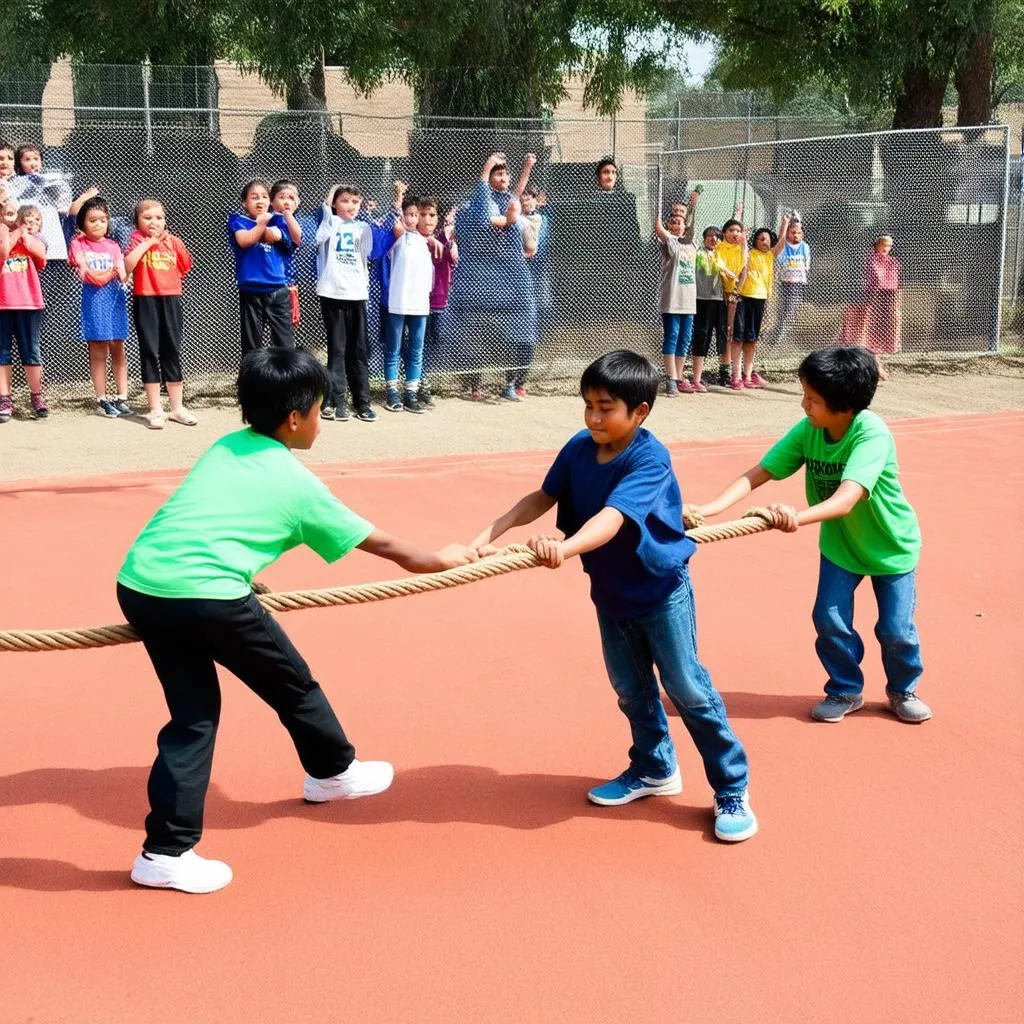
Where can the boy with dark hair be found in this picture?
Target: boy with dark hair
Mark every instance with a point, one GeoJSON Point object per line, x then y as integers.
{"type": "Point", "coordinates": [620, 510]}
{"type": "Point", "coordinates": [186, 588]}
{"type": "Point", "coordinates": [868, 528]}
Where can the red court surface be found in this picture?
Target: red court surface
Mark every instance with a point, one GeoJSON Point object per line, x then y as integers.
{"type": "Point", "coordinates": [885, 884]}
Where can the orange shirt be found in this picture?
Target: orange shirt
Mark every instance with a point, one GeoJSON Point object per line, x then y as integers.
{"type": "Point", "coordinates": [161, 269]}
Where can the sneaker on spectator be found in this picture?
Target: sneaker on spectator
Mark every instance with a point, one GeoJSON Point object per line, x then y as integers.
{"type": "Point", "coordinates": [508, 392]}
{"type": "Point", "coordinates": [908, 707]}
{"type": "Point", "coordinates": [476, 393]}
{"type": "Point", "coordinates": [630, 786]}
{"type": "Point", "coordinates": [736, 384]}
{"type": "Point", "coordinates": [105, 407]}
{"type": "Point", "coordinates": [361, 778]}
{"type": "Point", "coordinates": [328, 412]}
{"type": "Point", "coordinates": [755, 381]}
{"type": "Point", "coordinates": [6, 408]}
{"type": "Point", "coordinates": [187, 873]}
{"type": "Point", "coordinates": [835, 709]}
{"type": "Point", "coordinates": [341, 413]}
{"type": "Point", "coordinates": [521, 391]}
{"type": "Point", "coordinates": [122, 407]}
{"type": "Point", "coordinates": [411, 403]}
{"type": "Point", "coordinates": [699, 388]}
{"type": "Point", "coordinates": [426, 396]}
{"type": "Point", "coordinates": [734, 820]}
{"type": "Point", "coordinates": [685, 387]}
{"type": "Point", "coordinates": [366, 414]}
{"type": "Point", "coordinates": [39, 406]}
{"type": "Point", "coordinates": [671, 386]}
{"type": "Point", "coordinates": [393, 400]}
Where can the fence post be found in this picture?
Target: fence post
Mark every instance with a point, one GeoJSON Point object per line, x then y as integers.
{"type": "Point", "coordinates": [147, 115]}
{"type": "Point", "coordinates": [993, 340]}
{"type": "Point", "coordinates": [679, 122]}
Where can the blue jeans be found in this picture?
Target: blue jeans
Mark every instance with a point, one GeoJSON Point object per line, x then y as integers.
{"type": "Point", "coordinates": [667, 637]}
{"type": "Point", "coordinates": [841, 649]}
{"type": "Point", "coordinates": [393, 347]}
{"type": "Point", "coordinates": [678, 333]}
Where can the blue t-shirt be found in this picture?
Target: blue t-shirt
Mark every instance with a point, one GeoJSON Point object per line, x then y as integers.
{"type": "Point", "coordinates": [262, 267]}
{"type": "Point", "coordinates": [645, 561]}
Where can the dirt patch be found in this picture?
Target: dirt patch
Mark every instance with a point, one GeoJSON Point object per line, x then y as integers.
{"type": "Point", "coordinates": [75, 442]}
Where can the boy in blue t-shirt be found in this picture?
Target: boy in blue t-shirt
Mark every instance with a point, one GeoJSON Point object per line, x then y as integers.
{"type": "Point", "coordinates": [261, 243]}
{"type": "Point", "coordinates": [868, 528]}
{"type": "Point", "coordinates": [620, 509]}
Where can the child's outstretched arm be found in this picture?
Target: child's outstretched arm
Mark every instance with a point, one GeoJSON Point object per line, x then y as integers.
{"type": "Point", "coordinates": [415, 559]}
{"type": "Point", "coordinates": [659, 229]}
{"type": "Point", "coordinates": [783, 228]}
{"type": "Point", "coordinates": [736, 491]}
{"type": "Point", "coordinates": [529, 162]}
{"type": "Point", "coordinates": [594, 533]}
{"type": "Point", "coordinates": [691, 218]}
{"type": "Point", "coordinates": [524, 511]}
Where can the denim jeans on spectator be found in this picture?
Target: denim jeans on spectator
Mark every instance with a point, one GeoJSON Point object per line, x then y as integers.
{"type": "Point", "coordinates": [667, 637]}
{"type": "Point", "coordinates": [841, 649]}
{"type": "Point", "coordinates": [393, 346]}
{"type": "Point", "coordinates": [678, 333]}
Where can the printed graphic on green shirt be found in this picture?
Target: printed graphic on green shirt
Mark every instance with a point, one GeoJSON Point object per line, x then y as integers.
{"type": "Point", "coordinates": [826, 476]}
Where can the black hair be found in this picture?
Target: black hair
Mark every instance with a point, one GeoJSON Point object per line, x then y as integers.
{"type": "Point", "coordinates": [496, 167]}
{"type": "Point", "coordinates": [352, 190]}
{"type": "Point", "coordinates": [282, 184]}
{"type": "Point", "coordinates": [710, 229]}
{"type": "Point", "coordinates": [729, 223]}
{"type": "Point", "coordinates": [4, 144]}
{"type": "Point", "coordinates": [250, 185]}
{"type": "Point", "coordinates": [531, 190]}
{"type": "Point", "coordinates": [25, 147]}
{"type": "Point", "coordinates": [96, 203]}
{"type": "Point", "coordinates": [623, 374]}
{"type": "Point", "coordinates": [772, 237]}
{"type": "Point", "coordinates": [846, 378]}
{"type": "Point", "coordinates": [430, 201]}
{"type": "Point", "coordinates": [608, 161]}
{"type": "Point", "coordinates": [274, 382]}
{"type": "Point", "coordinates": [409, 200]}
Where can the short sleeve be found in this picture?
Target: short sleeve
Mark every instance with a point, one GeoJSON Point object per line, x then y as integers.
{"type": "Point", "coordinates": [641, 489]}
{"type": "Point", "coordinates": [556, 481]}
{"type": "Point", "coordinates": [786, 456]}
{"type": "Point", "coordinates": [328, 527]}
{"type": "Point", "coordinates": [184, 257]}
{"type": "Point", "coordinates": [868, 458]}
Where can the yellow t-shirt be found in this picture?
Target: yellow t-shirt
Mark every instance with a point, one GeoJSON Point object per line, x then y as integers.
{"type": "Point", "coordinates": [758, 282]}
{"type": "Point", "coordinates": [731, 257]}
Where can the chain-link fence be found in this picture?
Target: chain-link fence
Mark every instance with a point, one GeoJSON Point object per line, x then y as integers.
{"type": "Point", "coordinates": [593, 284]}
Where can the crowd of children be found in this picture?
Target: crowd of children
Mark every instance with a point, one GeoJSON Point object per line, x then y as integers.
{"type": "Point", "coordinates": [461, 289]}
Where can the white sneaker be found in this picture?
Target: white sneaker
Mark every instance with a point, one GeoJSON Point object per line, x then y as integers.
{"type": "Point", "coordinates": [361, 778]}
{"type": "Point", "coordinates": [189, 872]}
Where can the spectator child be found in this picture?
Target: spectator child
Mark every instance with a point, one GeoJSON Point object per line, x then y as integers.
{"type": "Point", "coordinates": [344, 245]}
{"type": "Point", "coordinates": [620, 510]}
{"type": "Point", "coordinates": [9, 214]}
{"type": "Point", "coordinates": [732, 258]}
{"type": "Point", "coordinates": [22, 256]}
{"type": "Point", "coordinates": [882, 325]}
{"type": "Point", "coordinates": [284, 199]}
{"type": "Point", "coordinates": [48, 190]}
{"type": "Point", "coordinates": [99, 263]}
{"type": "Point", "coordinates": [157, 261]}
{"type": "Point", "coordinates": [445, 257]}
{"type": "Point", "coordinates": [7, 170]}
{"type": "Point", "coordinates": [260, 240]}
{"type": "Point", "coordinates": [710, 317]}
{"type": "Point", "coordinates": [868, 528]}
{"type": "Point", "coordinates": [678, 293]}
{"type": "Point", "coordinates": [537, 249]}
{"type": "Point", "coordinates": [606, 175]}
{"type": "Point", "coordinates": [794, 262]}
{"type": "Point", "coordinates": [410, 281]}
{"type": "Point", "coordinates": [755, 289]}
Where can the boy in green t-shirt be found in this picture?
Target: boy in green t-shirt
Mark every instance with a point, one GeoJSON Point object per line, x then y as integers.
{"type": "Point", "coordinates": [867, 529]}
{"type": "Point", "coordinates": [186, 588]}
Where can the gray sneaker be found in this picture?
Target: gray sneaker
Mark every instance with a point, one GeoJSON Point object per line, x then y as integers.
{"type": "Point", "coordinates": [670, 386]}
{"type": "Point", "coordinates": [907, 707]}
{"type": "Point", "coordinates": [835, 709]}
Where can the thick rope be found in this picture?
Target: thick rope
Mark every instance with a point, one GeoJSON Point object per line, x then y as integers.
{"type": "Point", "coordinates": [508, 559]}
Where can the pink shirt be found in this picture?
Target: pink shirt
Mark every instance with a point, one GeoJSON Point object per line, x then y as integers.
{"type": "Point", "coordinates": [19, 279]}
{"type": "Point", "coordinates": [882, 273]}
{"type": "Point", "coordinates": [442, 275]}
{"type": "Point", "coordinates": [85, 255]}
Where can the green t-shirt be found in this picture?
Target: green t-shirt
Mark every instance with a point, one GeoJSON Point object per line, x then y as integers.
{"type": "Point", "coordinates": [880, 536]}
{"type": "Point", "coordinates": [246, 502]}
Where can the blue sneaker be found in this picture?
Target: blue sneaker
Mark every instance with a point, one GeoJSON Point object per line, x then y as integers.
{"type": "Point", "coordinates": [734, 820]}
{"type": "Point", "coordinates": [629, 787]}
